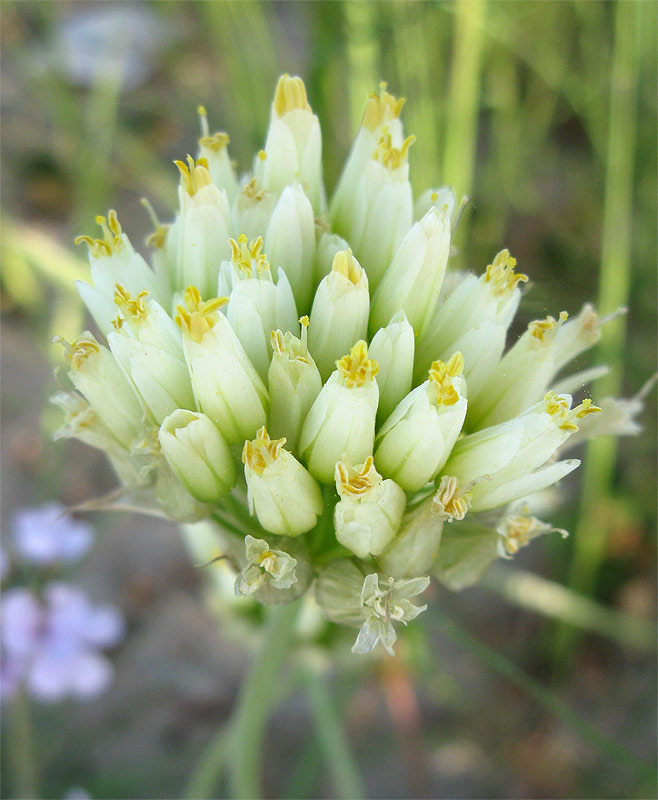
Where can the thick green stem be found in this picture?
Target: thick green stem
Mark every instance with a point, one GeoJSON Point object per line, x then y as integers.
{"type": "Point", "coordinates": [331, 738]}
{"type": "Point", "coordinates": [21, 752]}
{"type": "Point", "coordinates": [256, 700]}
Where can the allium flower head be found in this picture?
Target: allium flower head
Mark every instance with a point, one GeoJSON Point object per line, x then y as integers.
{"type": "Point", "coordinates": [314, 374]}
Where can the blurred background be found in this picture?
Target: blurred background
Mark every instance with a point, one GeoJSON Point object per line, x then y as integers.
{"type": "Point", "coordinates": [544, 114]}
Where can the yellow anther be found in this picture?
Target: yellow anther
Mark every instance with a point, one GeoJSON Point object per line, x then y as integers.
{"type": "Point", "coordinates": [518, 531]}
{"type": "Point", "coordinates": [261, 451]}
{"type": "Point", "coordinates": [354, 481]}
{"type": "Point", "coordinates": [217, 142]}
{"type": "Point", "coordinates": [441, 379]}
{"type": "Point", "coordinates": [290, 94]}
{"type": "Point", "coordinates": [540, 327]}
{"type": "Point", "coordinates": [585, 408]}
{"type": "Point", "coordinates": [112, 241]}
{"type": "Point", "coordinates": [288, 345]}
{"type": "Point", "coordinates": [345, 263]}
{"type": "Point", "coordinates": [245, 255]}
{"type": "Point", "coordinates": [193, 175]}
{"type": "Point", "coordinates": [266, 560]}
{"type": "Point", "coordinates": [392, 157]}
{"type": "Point", "coordinates": [133, 307]}
{"type": "Point", "coordinates": [356, 368]}
{"type": "Point", "coordinates": [558, 408]}
{"type": "Point", "coordinates": [304, 321]}
{"type": "Point", "coordinates": [198, 316]}
{"type": "Point", "coordinates": [381, 108]}
{"type": "Point", "coordinates": [434, 197]}
{"type": "Point", "coordinates": [252, 193]}
{"type": "Point", "coordinates": [81, 349]}
{"type": "Point", "coordinates": [262, 155]}
{"type": "Point", "coordinates": [501, 274]}
{"type": "Point", "coordinates": [449, 500]}
{"type": "Point", "coordinates": [159, 236]}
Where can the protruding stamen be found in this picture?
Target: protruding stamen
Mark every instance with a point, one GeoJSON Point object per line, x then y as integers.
{"type": "Point", "coordinates": [381, 108]}
{"type": "Point", "coordinates": [500, 274]}
{"type": "Point", "coordinates": [197, 317]}
{"type": "Point", "coordinates": [133, 307]}
{"type": "Point", "coordinates": [245, 255]}
{"type": "Point", "coordinates": [158, 238]}
{"type": "Point", "coordinates": [261, 451]}
{"type": "Point", "coordinates": [290, 94]}
{"type": "Point", "coordinates": [441, 379]}
{"type": "Point", "coordinates": [112, 241]}
{"type": "Point", "coordinates": [251, 192]}
{"type": "Point", "coordinates": [449, 501]}
{"type": "Point", "coordinates": [203, 120]}
{"type": "Point", "coordinates": [558, 407]}
{"type": "Point", "coordinates": [354, 481]}
{"type": "Point", "coordinates": [194, 175]}
{"type": "Point", "coordinates": [356, 368]}
{"type": "Point", "coordinates": [345, 263]}
{"type": "Point", "coordinates": [80, 350]}
{"type": "Point", "coordinates": [540, 327]}
{"type": "Point", "coordinates": [288, 345]}
{"type": "Point", "coordinates": [392, 157]}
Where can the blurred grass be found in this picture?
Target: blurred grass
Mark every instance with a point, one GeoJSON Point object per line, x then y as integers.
{"type": "Point", "coordinates": [530, 108]}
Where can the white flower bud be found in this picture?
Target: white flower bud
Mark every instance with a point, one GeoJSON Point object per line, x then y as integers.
{"type": "Point", "coordinates": [257, 305]}
{"type": "Point", "coordinates": [290, 242]}
{"type": "Point", "coordinates": [443, 197]}
{"type": "Point", "coordinates": [202, 228]}
{"type": "Point", "coordinates": [393, 349]}
{"type": "Point", "coordinates": [293, 149]}
{"type": "Point", "coordinates": [370, 509]}
{"type": "Point", "coordinates": [413, 280]}
{"type": "Point", "coordinates": [226, 386]}
{"type": "Point", "coordinates": [382, 208]}
{"type": "Point", "coordinates": [252, 209]}
{"type": "Point", "coordinates": [294, 383]}
{"type": "Point", "coordinates": [113, 260]}
{"type": "Point", "coordinates": [382, 110]}
{"type": "Point", "coordinates": [282, 494]}
{"type": "Point", "coordinates": [416, 440]}
{"type": "Point", "coordinates": [215, 151]}
{"type": "Point", "coordinates": [147, 345]}
{"type": "Point", "coordinates": [340, 312]}
{"type": "Point", "coordinates": [341, 422]}
{"type": "Point", "coordinates": [474, 320]}
{"type": "Point", "coordinates": [328, 245]}
{"type": "Point", "coordinates": [96, 375]}
{"type": "Point", "coordinates": [198, 455]}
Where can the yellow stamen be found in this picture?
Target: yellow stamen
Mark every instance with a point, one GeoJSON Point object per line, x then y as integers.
{"type": "Point", "coordinates": [540, 327]}
{"type": "Point", "coordinates": [345, 263]}
{"type": "Point", "coordinates": [441, 379]}
{"type": "Point", "coordinates": [81, 349]}
{"type": "Point", "coordinates": [217, 142]}
{"type": "Point", "coordinates": [260, 452]}
{"type": "Point", "coordinates": [133, 307]}
{"type": "Point", "coordinates": [356, 368]}
{"type": "Point", "coordinates": [112, 241]}
{"type": "Point", "coordinates": [252, 193]}
{"type": "Point", "coordinates": [558, 408]}
{"type": "Point", "coordinates": [518, 532]}
{"type": "Point", "coordinates": [193, 175]}
{"type": "Point", "coordinates": [355, 481]}
{"type": "Point", "coordinates": [262, 155]}
{"type": "Point", "coordinates": [290, 94]}
{"type": "Point", "coordinates": [501, 274]}
{"type": "Point", "coordinates": [381, 108]}
{"type": "Point", "coordinates": [450, 500]}
{"type": "Point", "coordinates": [199, 316]}
{"type": "Point", "coordinates": [266, 560]}
{"type": "Point", "coordinates": [245, 254]}
{"type": "Point", "coordinates": [288, 345]}
{"type": "Point", "coordinates": [392, 157]}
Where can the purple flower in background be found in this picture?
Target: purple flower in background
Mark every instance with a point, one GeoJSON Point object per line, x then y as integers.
{"type": "Point", "coordinates": [53, 647]}
{"type": "Point", "coordinates": [48, 535]}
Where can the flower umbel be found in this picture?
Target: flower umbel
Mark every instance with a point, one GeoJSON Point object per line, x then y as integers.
{"type": "Point", "coordinates": [384, 431]}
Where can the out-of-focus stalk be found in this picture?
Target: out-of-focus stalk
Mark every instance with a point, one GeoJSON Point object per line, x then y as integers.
{"type": "Point", "coordinates": [362, 55]}
{"type": "Point", "coordinates": [592, 533]}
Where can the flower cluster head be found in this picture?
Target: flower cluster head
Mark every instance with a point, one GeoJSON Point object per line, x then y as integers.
{"type": "Point", "coordinates": [298, 371]}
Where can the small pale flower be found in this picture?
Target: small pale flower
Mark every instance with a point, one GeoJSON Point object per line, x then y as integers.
{"type": "Point", "coordinates": [264, 565]}
{"type": "Point", "coordinates": [384, 606]}
{"type": "Point", "coordinates": [50, 535]}
{"type": "Point", "coordinates": [518, 528]}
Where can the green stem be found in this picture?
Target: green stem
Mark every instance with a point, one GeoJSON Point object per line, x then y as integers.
{"type": "Point", "coordinates": [592, 532]}
{"type": "Point", "coordinates": [208, 770]}
{"type": "Point", "coordinates": [21, 748]}
{"type": "Point", "coordinates": [331, 738]}
{"type": "Point", "coordinates": [256, 700]}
